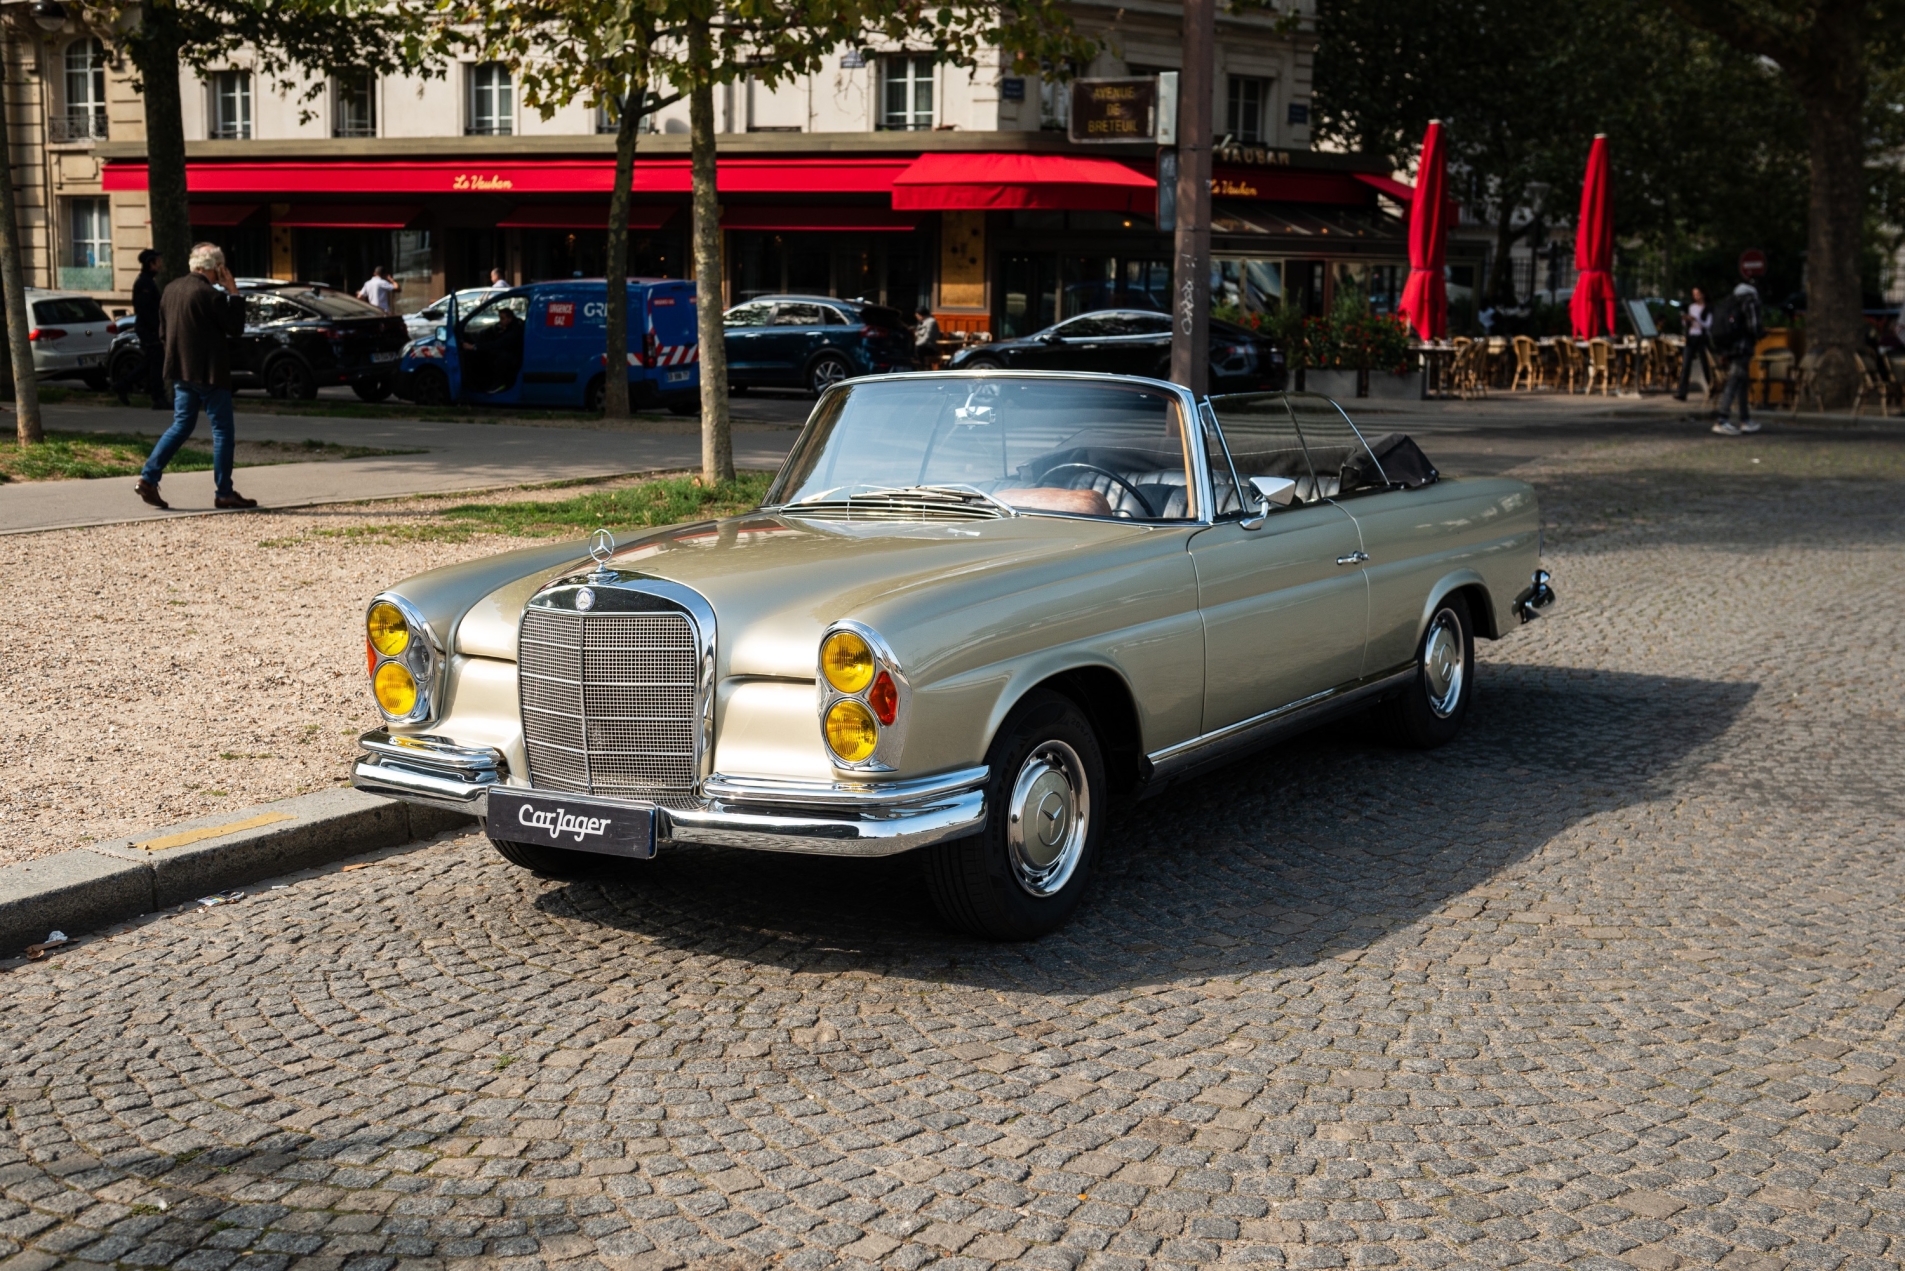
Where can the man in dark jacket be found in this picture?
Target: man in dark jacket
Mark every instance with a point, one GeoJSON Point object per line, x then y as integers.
{"type": "Point", "coordinates": [1737, 334]}
{"type": "Point", "coordinates": [145, 325]}
{"type": "Point", "coordinates": [200, 314]}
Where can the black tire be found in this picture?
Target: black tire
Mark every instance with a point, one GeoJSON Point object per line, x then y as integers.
{"type": "Point", "coordinates": [98, 381]}
{"type": "Point", "coordinates": [997, 884]}
{"type": "Point", "coordinates": [595, 396]}
{"type": "Point", "coordinates": [429, 386]}
{"type": "Point", "coordinates": [825, 371]}
{"type": "Point", "coordinates": [287, 377]}
{"type": "Point", "coordinates": [372, 390]}
{"type": "Point", "coordinates": [684, 406]}
{"type": "Point", "coordinates": [982, 364]}
{"type": "Point", "coordinates": [555, 861]}
{"type": "Point", "coordinates": [1429, 713]}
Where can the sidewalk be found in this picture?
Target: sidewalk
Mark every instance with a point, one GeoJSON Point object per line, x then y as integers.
{"type": "Point", "coordinates": [457, 456]}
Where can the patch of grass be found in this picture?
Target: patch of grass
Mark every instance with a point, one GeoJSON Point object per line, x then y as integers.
{"type": "Point", "coordinates": [73, 456]}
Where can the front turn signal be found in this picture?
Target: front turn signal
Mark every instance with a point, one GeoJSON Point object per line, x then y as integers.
{"type": "Point", "coordinates": [851, 732]}
{"type": "Point", "coordinates": [847, 661]}
{"type": "Point", "coordinates": [884, 698]}
{"type": "Point", "coordinates": [396, 689]}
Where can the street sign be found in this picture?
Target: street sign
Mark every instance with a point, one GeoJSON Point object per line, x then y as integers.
{"type": "Point", "coordinates": [1114, 109]}
{"type": "Point", "coordinates": [1752, 263]}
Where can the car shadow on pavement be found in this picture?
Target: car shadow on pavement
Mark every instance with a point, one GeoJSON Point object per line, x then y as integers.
{"type": "Point", "coordinates": [1314, 848]}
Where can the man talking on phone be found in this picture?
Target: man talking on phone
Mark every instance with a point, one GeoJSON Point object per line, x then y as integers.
{"type": "Point", "coordinates": [199, 315]}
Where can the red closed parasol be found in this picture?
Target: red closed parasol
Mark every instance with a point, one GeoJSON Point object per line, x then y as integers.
{"type": "Point", "coordinates": [1594, 249]}
{"type": "Point", "coordinates": [1425, 298]}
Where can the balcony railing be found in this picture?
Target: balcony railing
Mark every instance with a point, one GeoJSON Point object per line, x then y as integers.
{"type": "Point", "coordinates": [77, 125]}
{"type": "Point", "coordinates": [85, 278]}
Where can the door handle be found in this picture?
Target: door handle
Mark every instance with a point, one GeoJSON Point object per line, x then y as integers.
{"type": "Point", "coordinates": [1354, 558]}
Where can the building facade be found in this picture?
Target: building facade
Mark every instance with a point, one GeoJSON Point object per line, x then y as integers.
{"type": "Point", "coordinates": [887, 175]}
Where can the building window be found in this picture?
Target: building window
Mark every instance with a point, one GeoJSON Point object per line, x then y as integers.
{"type": "Point", "coordinates": [85, 117]}
{"type": "Point", "coordinates": [492, 101]}
{"type": "Point", "coordinates": [231, 105]}
{"type": "Point", "coordinates": [909, 94]}
{"type": "Point", "coordinates": [89, 253]}
{"type": "Point", "coordinates": [1243, 116]}
{"type": "Point", "coordinates": [608, 120]}
{"type": "Point", "coordinates": [354, 106]}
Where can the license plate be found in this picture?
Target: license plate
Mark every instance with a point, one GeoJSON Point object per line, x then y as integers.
{"type": "Point", "coordinates": [679, 377]}
{"type": "Point", "coordinates": [383, 357]}
{"type": "Point", "coordinates": [91, 359]}
{"type": "Point", "coordinates": [575, 824]}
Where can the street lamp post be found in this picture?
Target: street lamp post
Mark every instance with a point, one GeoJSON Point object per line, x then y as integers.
{"type": "Point", "coordinates": [50, 15]}
{"type": "Point", "coordinates": [1190, 328]}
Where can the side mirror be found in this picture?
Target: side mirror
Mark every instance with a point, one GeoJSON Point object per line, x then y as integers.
{"type": "Point", "coordinates": [443, 333]}
{"type": "Point", "coordinates": [1050, 337]}
{"type": "Point", "coordinates": [1272, 492]}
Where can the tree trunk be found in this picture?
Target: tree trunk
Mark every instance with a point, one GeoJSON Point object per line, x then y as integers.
{"type": "Point", "coordinates": [1835, 326]}
{"type": "Point", "coordinates": [615, 361]}
{"type": "Point", "coordinates": [717, 440]}
{"type": "Point", "coordinates": [156, 53]}
{"type": "Point", "coordinates": [26, 388]}
{"type": "Point", "coordinates": [1500, 291]}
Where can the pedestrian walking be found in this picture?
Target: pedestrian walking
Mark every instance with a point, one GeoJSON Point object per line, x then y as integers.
{"type": "Point", "coordinates": [1738, 332]}
{"type": "Point", "coordinates": [145, 328]}
{"type": "Point", "coordinates": [379, 291]}
{"type": "Point", "coordinates": [497, 282]}
{"type": "Point", "coordinates": [199, 315]}
{"type": "Point", "coordinates": [1696, 324]}
{"type": "Point", "coordinates": [926, 339]}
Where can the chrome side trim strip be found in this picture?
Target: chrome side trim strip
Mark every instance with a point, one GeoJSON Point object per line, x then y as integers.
{"type": "Point", "coordinates": [858, 794]}
{"type": "Point", "coordinates": [1270, 726]}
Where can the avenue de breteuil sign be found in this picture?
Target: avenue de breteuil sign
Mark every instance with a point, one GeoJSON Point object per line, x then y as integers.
{"type": "Point", "coordinates": [1115, 109]}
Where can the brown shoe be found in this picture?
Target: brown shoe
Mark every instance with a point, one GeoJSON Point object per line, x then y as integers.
{"type": "Point", "coordinates": [150, 493]}
{"type": "Point", "coordinates": [234, 500]}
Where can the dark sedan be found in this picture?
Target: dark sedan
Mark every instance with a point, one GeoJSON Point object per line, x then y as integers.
{"type": "Point", "coordinates": [301, 336]}
{"type": "Point", "coordinates": [1132, 342]}
{"type": "Point", "coordinates": [813, 342]}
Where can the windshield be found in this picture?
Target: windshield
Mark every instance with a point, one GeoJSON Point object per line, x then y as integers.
{"type": "Point", "coordinates": [1083, 449]}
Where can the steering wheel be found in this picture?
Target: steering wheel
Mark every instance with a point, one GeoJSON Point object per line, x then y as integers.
{"type": "Point", "coordinates": [1149, 512]}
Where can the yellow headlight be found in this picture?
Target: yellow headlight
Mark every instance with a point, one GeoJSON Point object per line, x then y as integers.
{"type": "Point", "coordinates": [846, 661]}
{"type": "Point", "coordinates": [387, 628]}
{"type": "Point", "coordinates": [851, 730]}
{"type": "Point", "coordinates": [395, 688]}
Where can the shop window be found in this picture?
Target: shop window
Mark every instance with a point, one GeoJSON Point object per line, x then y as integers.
{"type": "Point", "coordinates": [354, 106]}
{"type": "Point", "coordinates": [231, 105]}
{"type": "Point", "coordinates": [909, 94]}
{"type": "Point", "coordinates": [1243, 112]}
{"type": "Point", "coordinates": [85, 115]}
{"type": "Point", "coordinates": [89, 252]}
{"type": "Point", "coordinates": [492, 101]}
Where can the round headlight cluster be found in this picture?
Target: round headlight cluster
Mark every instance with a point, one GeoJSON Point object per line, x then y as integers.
{"type": "Point", "coordinates": [859, 697]}
{"type": "Point", "coordinates": [401, 660]}
{"type": "Point", "coordinates": [396, 688]}
{"type": "Point", "coordinates": [388, 630]}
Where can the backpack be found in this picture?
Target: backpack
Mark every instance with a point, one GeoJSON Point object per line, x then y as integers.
{"type": "Point", "coordinates": [1741, 327]}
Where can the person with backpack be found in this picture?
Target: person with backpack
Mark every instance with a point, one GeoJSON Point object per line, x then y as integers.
{"type": "Point", "coordinates": [1735, 336]}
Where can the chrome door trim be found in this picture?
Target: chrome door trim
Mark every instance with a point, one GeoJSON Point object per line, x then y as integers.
{"type": "Point", "coordinates": [1261, 730]}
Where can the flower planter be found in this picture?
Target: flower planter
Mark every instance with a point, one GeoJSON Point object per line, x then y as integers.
{"type": "Point", "coordinates": [1408, 386]}
{"type": "Point", "coordinates": [1337, 385]}
{"type": "Point", "coordinates": [1344, 386]}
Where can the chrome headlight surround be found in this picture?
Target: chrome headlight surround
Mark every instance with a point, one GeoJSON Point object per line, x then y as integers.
{"type": "Point", "coordinates": [892, 737]}
{"type": "Point", "coordinates": [422, 656]}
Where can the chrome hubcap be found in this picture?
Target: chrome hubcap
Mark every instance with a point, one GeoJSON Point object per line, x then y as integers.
{"type": "Point", "coordinates": [1047, 818]}
{"type": "Point", "coordinates": [1443, 666]}
{"type": "Point", "coordinates": [829, 373]}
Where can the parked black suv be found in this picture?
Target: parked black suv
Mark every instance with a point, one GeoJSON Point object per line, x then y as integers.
{"type": "Point", "coordinates": [1133, 342]}
{"type": "Point", "coordinates": [813, 342]}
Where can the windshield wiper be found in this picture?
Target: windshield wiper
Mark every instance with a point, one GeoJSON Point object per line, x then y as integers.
{"type": "Point", "coordinates": [974, 491]}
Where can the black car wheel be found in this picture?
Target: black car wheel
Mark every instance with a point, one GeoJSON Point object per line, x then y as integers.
{"type": "Point", "coordinates": [825, 371]}
{"type": "Point", "coordinates": [981, 364]}
{"type": "Point", "coordinates": [372, 390]}
{"type": "Point", "coordinates": [430, 387]}
{"type": "Point", "coordinates": [557, 862]}
{"type": "Point", "coordinates": [1429, 713]}
{"type": "Point", "coordinates": [288, 377]}
{"type": "Point", "coordinates": [1023, 875]}
{"type": "Point", "coordinates": [595, 396]}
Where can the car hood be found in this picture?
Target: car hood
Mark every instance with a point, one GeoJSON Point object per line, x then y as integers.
{"type": "Point", "coordinates": [776, 582]}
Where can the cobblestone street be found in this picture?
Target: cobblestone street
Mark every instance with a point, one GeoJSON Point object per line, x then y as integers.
{"type": "Point", "coordinates": [1614, 981]}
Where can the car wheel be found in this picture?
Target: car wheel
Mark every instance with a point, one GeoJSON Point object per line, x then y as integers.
{"type": "Point", "coordinates": [595, 396]}
{"type": "Point", "coordinates": [288, 377]}
{"type": "Point", "coordinates": [1023, 875]}
{"type": "Point", "coordinates": [1429, 712]}
{"type": "Point", "coordinates": [98, 381]}
{"type": "Point", "coordinates": [430, 387]}
{"type": "Point", "coordinates": [372, 390]}
{"type": "Point", "coordinates": [684, 406]}
{"type": "Point", "coordinates": [557, 862]}
{"type": "Point", "coordinates": [827, 370]}
{"type": "Point", "coordinates": [981, 364]}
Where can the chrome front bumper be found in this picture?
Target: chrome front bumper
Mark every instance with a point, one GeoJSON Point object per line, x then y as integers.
{"type": "Point", "coordinates": [875, 818]}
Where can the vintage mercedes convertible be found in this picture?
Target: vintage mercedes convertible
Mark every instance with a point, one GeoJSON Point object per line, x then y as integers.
{"type": "Point", "coordinates": [974, 613]}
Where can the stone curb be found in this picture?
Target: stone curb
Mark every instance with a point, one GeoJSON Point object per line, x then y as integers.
{"type": "Point", "coordinates": [101, 883]}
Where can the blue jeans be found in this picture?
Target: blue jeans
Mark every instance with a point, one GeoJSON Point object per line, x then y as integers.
{"type": "Point", "coordinates": [186, 401]}
{"type": "Point", "coordinates": [1738, 383]}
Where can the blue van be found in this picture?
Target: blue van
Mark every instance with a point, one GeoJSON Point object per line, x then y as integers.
{"type": "Point", "coordinates": [542, 345]}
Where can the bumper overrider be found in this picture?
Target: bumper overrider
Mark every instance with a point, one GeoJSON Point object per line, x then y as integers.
{"type": "Point", "coordinates": [874, 818]}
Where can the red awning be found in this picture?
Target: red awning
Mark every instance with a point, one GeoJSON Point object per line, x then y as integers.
{"type": "Point", "coordinates": [1281, 185]}
{"type": "Point", "coordinates": [939, 182]}
{"type": "Point", "coordinates": [779, 219]}
{"type": "Point", "coordinates": [349, 215]}
{"type": "Point", "coordinates": [221, 213]}
{"type": "Point", "coordinates": [547, 176]}
{"type": "Point", "coordinates": [582, 216]}
{"type": "Point", "coordinates": [1400, 191]}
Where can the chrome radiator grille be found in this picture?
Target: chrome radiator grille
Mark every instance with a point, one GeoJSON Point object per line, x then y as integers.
{"type": "Point", "coordinates": [608, 703]}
